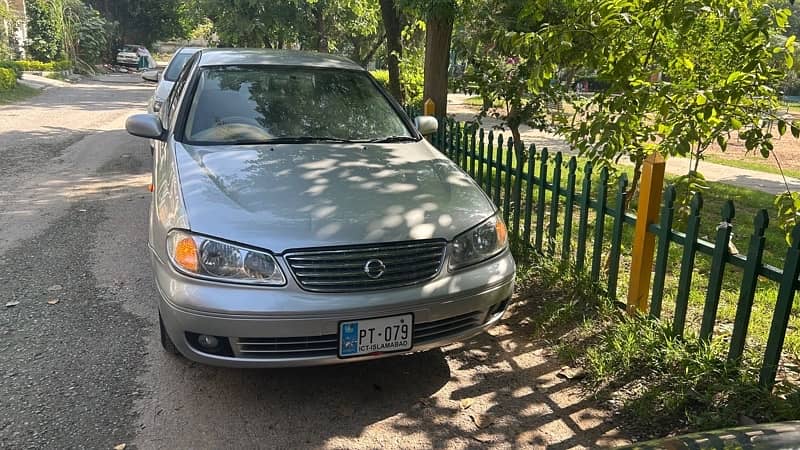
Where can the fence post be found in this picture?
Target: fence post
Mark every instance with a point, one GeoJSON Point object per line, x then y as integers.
{"type": "Point", "coordinates": [643, 242]}
{"type": "Point", "coordinates": [429, 107]}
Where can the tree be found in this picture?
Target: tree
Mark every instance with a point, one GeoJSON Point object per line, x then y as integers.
{"type": "Point", "coordinates": [498, 72]}
{"type": "Point", "coordinates": [394, 48]}
{"type": "Point", "coordinates": [144, 21]}
{"type": "Point", "coordinates": [439, 17]}
{"type": "Point", "coordinates": [683, 75]}
{"type": "Point", "coordinates": [45, 32]}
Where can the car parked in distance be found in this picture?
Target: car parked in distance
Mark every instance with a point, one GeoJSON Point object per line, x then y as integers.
{"type": "Point", "coordinates": [166, 79]}
{"type": "Point", "coordinates": [130, 55]}
{"type": "Point", "coordinates": [300, 218]}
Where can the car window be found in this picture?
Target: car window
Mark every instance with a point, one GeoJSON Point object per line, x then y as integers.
{"type": "Point", "coordinates": [171, 104]}
{"type": "Point", "coordinates": [175, 66]}
{"type": "Point", "coordinates": [257, 104]}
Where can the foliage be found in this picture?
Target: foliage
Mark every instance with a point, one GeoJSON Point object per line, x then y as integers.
{"type": "Point", "coordinates": [45, 32]}
{"type": "Point", "coordinates": [8, 79]}
{"type": "Point", "coordinates": [10, 22]}
{"type": "Point", "coordinates": [412, 71]}
{"type": "Point", "coordinates": [382, 77]}
{"type": "Point", "coordinates": [348, 26]}
{"type": "Point", "coordinates": [88, 33]}
{"type": "Point", "coordinates": [38, 66]}
{"type": "Point", "coordinates": [498, 72]}
{"type": "Point", "coordinates": [145, 21]}
{"type": "Point", "coordinates": [13, 66]}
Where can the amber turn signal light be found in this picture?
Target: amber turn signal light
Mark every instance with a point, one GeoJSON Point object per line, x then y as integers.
{"type": "Point", "coordinates": [186, 255]}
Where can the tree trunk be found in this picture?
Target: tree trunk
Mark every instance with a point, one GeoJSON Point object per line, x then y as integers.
{"type": "Point", "coordinates": [322, 39]}
{"type": "Point", "coordinates": [438, 33]}
{"type": "Point", "coordinates": [394, 49]}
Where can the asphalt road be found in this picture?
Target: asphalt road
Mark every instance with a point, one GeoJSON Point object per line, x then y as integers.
{"type": "Point", "coordinates": [80, 363]}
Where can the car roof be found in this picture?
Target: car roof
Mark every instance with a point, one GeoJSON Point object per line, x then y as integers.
{"type": "Point", "coordinates": [237, 56]}
{"type": "Point", "coordinates": [188, 50]}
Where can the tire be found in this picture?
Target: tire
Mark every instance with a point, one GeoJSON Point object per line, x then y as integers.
{"type": "Point", "coordinates": [166, 341]}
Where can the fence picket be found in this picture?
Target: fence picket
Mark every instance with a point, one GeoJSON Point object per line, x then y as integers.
{"type": "Point", "coordinates": [783, 309]}
{"type": "Point", "coordinates": [473, 155]}
{"type": "Point", "coordinates": [747, 291]}
{"type": "Point", "coordinates": [687, 265]}
{"type": "Point", "coordinates": [616, 235]}
{"type": "Point", "coordinates": [529, 197]}
{"type": "Point", "coordinates": [715, 278]}
{"type": "Point", "coordinates": [566, 245]}
{"type": "Point", "coordinates": [498, 171]}
{"type": "Point", "coordinates": [480, 156]}
{"type": "Point", "coordinates": [554, 201]}
{"type": "Point", "coordinates": [662, 251]}
{"type": "Point", "coordinates": [599, 224]}
{"type": "Point", "coordinates": [583, 218]}
{"type": "Point", "coordinates": [517, 188]}
{"type": "Point", "coordinates": [509, 173]}
{"type": "Point", "coordinates": [489, 162]}
{"type": "Point", "coordinates": [542, 186]}
{"type": "Point", "coordinates": [457, 145]}
{"type": "Point", "coordinates": [450, 136]}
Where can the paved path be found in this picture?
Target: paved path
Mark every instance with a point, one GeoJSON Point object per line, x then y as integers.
{"type": "Point", "coordinates": [88, 371]}
{"type": "Point", "coordinates": [752, 179]}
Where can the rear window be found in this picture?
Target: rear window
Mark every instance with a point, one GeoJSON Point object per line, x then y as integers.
{"type": "Point", "coordinates": [258, 104]}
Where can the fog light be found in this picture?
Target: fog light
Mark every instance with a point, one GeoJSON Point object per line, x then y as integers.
{"type": "Point", "coordinates": [208, 342]}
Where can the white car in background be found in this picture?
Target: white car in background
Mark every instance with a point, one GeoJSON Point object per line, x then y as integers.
{"type": "Point", "coordinates": [167, 79]}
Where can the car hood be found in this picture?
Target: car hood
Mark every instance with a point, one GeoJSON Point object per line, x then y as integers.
{"type": "Point", "coordinates": [281, 197]}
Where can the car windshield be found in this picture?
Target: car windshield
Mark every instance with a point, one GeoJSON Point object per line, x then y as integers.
{"type": "Point", "coordinates": [242, 105]}
{"type": "Point", "coordinates": [175, 66]}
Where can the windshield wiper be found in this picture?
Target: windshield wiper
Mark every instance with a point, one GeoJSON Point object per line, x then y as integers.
{"type": "Point", "coordinates": [390, 139]}
{"type": "Point", "coordinates": [305, 140]}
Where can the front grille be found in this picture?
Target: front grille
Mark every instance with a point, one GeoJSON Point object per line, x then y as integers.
{"type": "Point", "coordinates": [348, 269]}
{"type": "Point", "coordinates": [287, 348]}
{"type": "Point", "coordinates": [327, 345]}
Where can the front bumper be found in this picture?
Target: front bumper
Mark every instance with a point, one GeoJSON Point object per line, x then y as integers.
{"type": "Point", "coordinates": [301, 328]}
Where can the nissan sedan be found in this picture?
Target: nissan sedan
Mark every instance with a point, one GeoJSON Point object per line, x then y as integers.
{"type": "Point", "coordinates": [299, 217]}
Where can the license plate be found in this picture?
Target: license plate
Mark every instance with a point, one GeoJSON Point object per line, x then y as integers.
{"type": "Point", "coordinates": [382, 335]}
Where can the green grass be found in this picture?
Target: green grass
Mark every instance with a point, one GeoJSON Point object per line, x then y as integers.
{"type": "Point", "coordinates": [662, 383]}
{"type": "Point", "coordinates": [18, 93]}
{"type": "Point", "coordinates": [761, 165]}
{"type": "Point", "coordinates": [478, 101]}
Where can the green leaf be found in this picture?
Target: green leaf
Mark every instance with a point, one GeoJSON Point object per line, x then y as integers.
{"type": "Point", "coordinates": [736, 124]}
{"type": "Point", "coordinates": [701, 99]}
{"type": "Point", "coordinates": [782, 127]}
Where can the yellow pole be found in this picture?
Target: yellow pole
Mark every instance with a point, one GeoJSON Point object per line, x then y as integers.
{"type": "Point", "coordinates": [643, 242]}
{"type": "Point", "coordinates": [429, 107]}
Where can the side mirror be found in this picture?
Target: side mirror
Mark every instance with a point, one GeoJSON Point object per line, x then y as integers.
{"type": "Point", "coordinates": [146, 126]}
{"type": "Point", "coordinates": [152, 75]}
{"type": "Point", "coordinates": [426, 124]}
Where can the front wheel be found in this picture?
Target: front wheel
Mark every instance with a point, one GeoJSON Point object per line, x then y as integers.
{"type": "Point", "coordinates": [166, 341]}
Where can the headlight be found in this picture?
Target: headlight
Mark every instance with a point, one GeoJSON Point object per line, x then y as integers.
{"type": "Point", "coordinates": [216, 260]}
{"type": "Point", "coordinates": [479, 244]}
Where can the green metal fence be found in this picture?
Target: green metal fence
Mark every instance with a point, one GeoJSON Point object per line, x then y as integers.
{"type": "Point", "coordinates": [540, 201]}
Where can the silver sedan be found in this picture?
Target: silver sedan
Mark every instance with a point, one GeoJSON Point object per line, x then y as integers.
{"type": "Point", "coordinates": [300, 218]}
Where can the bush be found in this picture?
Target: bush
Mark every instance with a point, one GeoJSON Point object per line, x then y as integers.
{"type": "Point", "coordinates": [45, 33]}
{"type": "Point", "coordinates": [382, 77]}
{"type": "Point", "coordinates": [8, 79]}
{"type": "Point", "coordinates": [12, 65]}
{"type": "Point", "coordinates": [38, 66]}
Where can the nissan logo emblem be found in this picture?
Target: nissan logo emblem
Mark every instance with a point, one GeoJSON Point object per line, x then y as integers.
{"type": "Point", "coordinates": [374, 268]}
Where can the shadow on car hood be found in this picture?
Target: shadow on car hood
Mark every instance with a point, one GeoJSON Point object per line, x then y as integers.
{"type": "Point", "coordinates": [289, 196]}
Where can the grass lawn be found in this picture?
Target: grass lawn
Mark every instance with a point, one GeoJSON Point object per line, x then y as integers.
{"type": "Point", "coordinates": [18, 93]}
{"type": "Point", "coordinates": [760, 165]}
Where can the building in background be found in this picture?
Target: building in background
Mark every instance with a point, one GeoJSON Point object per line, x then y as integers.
{"type": "Point", "coordinates": [15, 27]}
